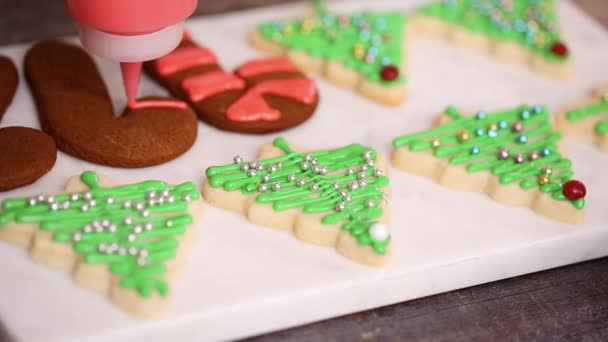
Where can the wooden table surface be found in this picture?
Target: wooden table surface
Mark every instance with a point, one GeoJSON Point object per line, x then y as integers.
{"type": "Point", "coordinates": [567, 303]}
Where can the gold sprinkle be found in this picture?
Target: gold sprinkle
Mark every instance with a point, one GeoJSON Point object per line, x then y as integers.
{"type": "Point", "coordinates": [493, 127]}
{"type": "Point", "coordinates": [463, 136]}
{"type": "Point", "coordinates": [543, 179]}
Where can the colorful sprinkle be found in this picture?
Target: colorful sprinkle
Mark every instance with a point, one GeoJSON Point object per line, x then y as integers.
{"type": "Point", "coordinates": [389, 73]}
{"type": "Point", "coordinates": [574, 190]}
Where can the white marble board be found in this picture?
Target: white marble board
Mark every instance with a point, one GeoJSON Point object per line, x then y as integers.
{"type": "Point", "coordinates": [244, 280]}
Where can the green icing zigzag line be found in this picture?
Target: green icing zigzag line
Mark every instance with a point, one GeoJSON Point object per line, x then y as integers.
{"type": "Point", "coordinates": [488, 134]}
{"type": "Point", "coordinates": [524, 21]}
{"type": "Point", "coordinates": [130, 228]}
{"type": "Point", "coordinates": [335, 37]}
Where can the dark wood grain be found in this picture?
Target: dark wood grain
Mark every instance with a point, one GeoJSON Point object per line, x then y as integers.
{"type": "Point", "coordinates": [568, 303]}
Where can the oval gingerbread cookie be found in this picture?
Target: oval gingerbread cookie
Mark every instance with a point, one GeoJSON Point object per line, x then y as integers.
{"type": "Point", "coordinates": [26, 154]}
{"type": "Point", "coordinates": [75, 108]}
{"type": "Point", "coordinates": [262, 96]}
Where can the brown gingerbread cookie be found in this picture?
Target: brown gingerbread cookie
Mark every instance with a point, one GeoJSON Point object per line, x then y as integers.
{"type": "Point", "coordinates": [75, 108]}
{"type": "Point", "coordinates": [9, 79]}
{"type": "Point", "coordinates": [26, 154]}
{"type": "Point", "coordinates": [262, 96]}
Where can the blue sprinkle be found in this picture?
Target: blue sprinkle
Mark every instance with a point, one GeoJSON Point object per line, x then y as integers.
{"type": "Point", "coordinates": [481, 115]}
{"type": "Point", "coordinates": [503, 124]}
{"type": "Point", "coordinates": [475, 150]}
{"type": "Point", "coordinates": [380, 24]}
{"type": "Point", "coordinates": [525, 114]}
{"type": "Point", "coordinates": [373, 51]}
{"type": "Point", "coordinates": [538, 109]}
{"type": "Point", "coordinates": [479, 132]}
{"type": "Point", "coordinates": [364, 35]}
{"type": "Point", "coordinates": [492, 133]}
{"type": "Point", "coordinates": [520, 25]}
{"type": "Point", "coordinates": [545, 152]}
{"type": "Point", "coordinates": [385, 60]}
{"type": "Point", "coordinates": [522, 139]}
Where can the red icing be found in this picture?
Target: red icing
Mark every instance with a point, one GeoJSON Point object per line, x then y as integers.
{"type": "Point", "coordinates": [158, 104]}
{"type": "Point", "coordinates": [200, 87]}
{"type": "Point", "coordinates": [265, 66]}
{"type": "Point", "coordinates": [574, 190]}
{"type": "Point", "coordinates": [183, 59]}
{"type": "Point", "coordinates": [252, 107]}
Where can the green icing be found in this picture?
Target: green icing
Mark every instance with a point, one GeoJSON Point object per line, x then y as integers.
{"type": "Point", "coordinates": [530, 23]}
{"type": "Point", "coordinates": [516, 145]}
{"type": "Point", "coordinates": [600, 108]}
{"type": "Point", "coordinates": [131, 228]}
{"type": "Point", "coordinates": [344, 183]}
{"type": "Point", "coordinates": [365, 42]}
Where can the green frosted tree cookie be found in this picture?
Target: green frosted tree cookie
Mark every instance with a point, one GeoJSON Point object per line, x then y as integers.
{"type": "Point", "coordinates": [511, 154]}
{"type": "Point", "coordinates": [524, 31]}
{"type": "Point", "coordinates": [130, 233]}
{"type": "Point", "coordinates": [362, 50]}
{"type": "Point", "coordinates": [330, 197]}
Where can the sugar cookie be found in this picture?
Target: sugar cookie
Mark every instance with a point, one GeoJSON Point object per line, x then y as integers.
{"type": "Point", "coordinates": [330, 197]}
{"type": "Point", "coordinates": [516, 31]}
{"type": "Point", "coordinates": [513, 155]}
{"type": "Point", "coordinates": [588, 120]}
{"type": "Point", "coordinates": [127, 242]}
{"type": "Point", "coordinates": [364, 51]}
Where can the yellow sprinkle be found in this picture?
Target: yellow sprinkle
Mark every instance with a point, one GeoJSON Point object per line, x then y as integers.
{"type": "Point", "coordinates": [493, 127]}
{"type": "Point", "coordinates": [547, 171]}
{"type": "Point", "coordinates": [540, 39]}
{"type": "Point", "coordinates": [533, 25]}
{"type": "Point", "coordinates": [544, 179]}
{"type": "Point", "coordinates": [463, 136]}
{"type": "Point", "coordinates": [436, 143]}
{"type": "Point", "coordinates": [288, 29]}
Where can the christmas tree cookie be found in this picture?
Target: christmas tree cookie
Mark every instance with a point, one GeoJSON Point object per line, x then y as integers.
{"type": "Point", "coordinates": [127, 242]}
{"type": "Point", "coordinates": [363, 51]}
{"type": "Point", "coordinates": [330, 197]}
{"type": "Point", "coordinates": [519, 31]}
{"type": "Point", "coordinates": [513, 155]}
{"type": "Point", "coordinates": [588, 120]}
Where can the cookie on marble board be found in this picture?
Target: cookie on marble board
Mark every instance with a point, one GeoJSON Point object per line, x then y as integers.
{"type": "Point", "coordinates": [515, 31]}
{"type": "Point", "coordinates": [335, 198]}
{"type": "Point", "coordinates": [364, 51]}
{"type": "Point", "coordinates": [75, 108]}
{"type": "Point", "coordinates": [261, 96]}
{"type": "Point", "coordinates": [587, 120]}
{"type": "Point", "coordinates": [26, 154]}
{"type": "Point", "coordinates": [513, 155]}
{"type": "Point", "coordinates": [126, 242]}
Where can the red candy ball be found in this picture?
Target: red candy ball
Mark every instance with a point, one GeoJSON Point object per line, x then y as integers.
{"type": "Point", "coordinates": [559, 49]}
{"type": "Point", "coordinates": [389, 73]}
{"type": "Point", "coordinates": [574, 190]}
